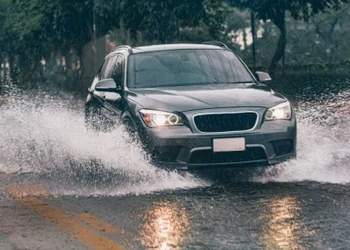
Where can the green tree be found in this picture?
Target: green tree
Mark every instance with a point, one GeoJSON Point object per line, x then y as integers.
{"type": "Point", "coordinates": [163, 20]}
{"type": "Point", "coordinates": [328, 28]}
{"type": "Point", "coordinates": [275, 10]}
{"type": "Point", "coordinates": [36, 28]}
{"type": "Point", "coordinates": [3, 14]}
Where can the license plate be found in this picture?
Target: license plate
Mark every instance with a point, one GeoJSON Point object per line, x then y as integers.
{"type": "Point", "coordinates": [229, 145]}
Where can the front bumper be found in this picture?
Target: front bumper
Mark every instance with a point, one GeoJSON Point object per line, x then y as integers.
{"type": "Point", "coordinates": [184, 147]}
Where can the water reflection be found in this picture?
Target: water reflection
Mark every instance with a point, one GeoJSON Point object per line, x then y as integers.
{"type": "Point", "coordinates": [165, 226]}
{"type": "Point", "coordinates": [284, 229]}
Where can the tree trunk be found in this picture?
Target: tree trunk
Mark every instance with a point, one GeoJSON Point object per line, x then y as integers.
{"type": "Point", "coordinates": [2, 70]}
{"type": "Point", "coordinates": [332, 42]}
{"type": "Point", "coordinates": [328, 38]}
{"type": "Point", "coordinates": [79, 79]}
{"type": "Point", "coordinates": [280, 22]}
{"type": "Point", "coordinates": [252, 23]}
{"type": "Point", "coordinates": [245, 42]}
{"type": "Point", "coordinates": [12, 70]}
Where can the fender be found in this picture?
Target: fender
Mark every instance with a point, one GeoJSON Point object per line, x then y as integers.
{"type": "Point", "coordinates": [136, 126]}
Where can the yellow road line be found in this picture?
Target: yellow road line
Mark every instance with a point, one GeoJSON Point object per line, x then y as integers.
{"type": "Point", "coordinates": [6, 173]}
{"type": "Point", "coordinates": [27, 191]}
{"type": "Point", "coordinates": [98, 224]}
{"type": "Point", "coordinates": [4, 98]}
{"type": "Point", "coordinates": [28, 195]}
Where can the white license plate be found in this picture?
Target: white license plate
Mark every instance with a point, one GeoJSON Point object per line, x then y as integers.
{"type": "Point", "coordinates": [229, 145]}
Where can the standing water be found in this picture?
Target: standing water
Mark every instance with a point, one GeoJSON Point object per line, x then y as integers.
{"type": "Point", "coordinates": [43, 139]}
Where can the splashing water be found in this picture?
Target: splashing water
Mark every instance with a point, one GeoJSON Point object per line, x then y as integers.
{"type": "Point", "coordinates": [42, 138]}
{"type": "Point", "coordinates": [323, 143]}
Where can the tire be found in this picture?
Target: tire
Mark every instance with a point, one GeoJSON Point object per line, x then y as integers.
{"type": "Point", "coordinates": [131, 130]}
{"type": "Point", "coordinates": [93, 121]}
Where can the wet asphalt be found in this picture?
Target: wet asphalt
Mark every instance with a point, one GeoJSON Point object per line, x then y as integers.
{"type": "Point", "coordinates": [305, 215]}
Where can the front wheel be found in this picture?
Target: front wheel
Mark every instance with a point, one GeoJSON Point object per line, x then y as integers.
{"type": "Point", "coordinates": [91, 120]}
{"type": "Point", "coordinates": [94, 120]}
{"type": "Point", "coordinates": [131, 130]}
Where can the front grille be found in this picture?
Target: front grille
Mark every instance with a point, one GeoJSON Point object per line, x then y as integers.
{"type": "Point", "coordinates": [225, 122]}
{"type": "Point", "coordinates": [208, 157]}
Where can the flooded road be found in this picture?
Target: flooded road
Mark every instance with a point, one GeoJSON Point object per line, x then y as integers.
{"type": "Point", "coordinates": [64, 188]}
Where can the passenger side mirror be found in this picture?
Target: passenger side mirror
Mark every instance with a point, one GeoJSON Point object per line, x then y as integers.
{"type": "Point", "coordinates": [263, 77]}
{"type": "Point", "coordinates": [108, 85]}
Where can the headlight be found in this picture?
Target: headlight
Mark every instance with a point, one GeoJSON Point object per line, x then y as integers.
{"type": "Point", "coordinates": [282, 111]}
{"type": "Point", "coordinates": [154, 118]}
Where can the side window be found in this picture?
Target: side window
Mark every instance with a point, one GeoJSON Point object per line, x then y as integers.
{"type": "Point", "coordinates": [99, 72]}
{"type": "Point", "coordinates": [118, 71]}
{"type": "Point", "coordinates": [106, 71]}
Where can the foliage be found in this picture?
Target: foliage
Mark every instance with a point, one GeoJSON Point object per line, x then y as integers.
{"type": "Point", "coordinates": [275, 10]}
{"type": "Point", "coordinates": [34, 29]}
{"type": "Point", "coordinates": [162, 21]}
{"type": "Point", "coordinates": [31, 30]}
{"type": "Point", "coordinates": [58, 24]}
{"type": "Point", "coordinates": [299, 9]}
{"type": "Point", "coordinates": [305, 44]}
{"type": "Point", "coordinates": [3, 9]}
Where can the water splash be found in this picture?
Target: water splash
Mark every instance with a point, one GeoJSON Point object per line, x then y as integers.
{"type": "Point", "coordinates": [43, 139]}
{"type": "Point", "coordinates": [323, 143]}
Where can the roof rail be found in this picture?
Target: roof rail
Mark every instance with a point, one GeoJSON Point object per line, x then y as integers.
{"type": "Point", "coordinates": [217, 43]}
{"type": "Point", "coordinates": [129, 48]}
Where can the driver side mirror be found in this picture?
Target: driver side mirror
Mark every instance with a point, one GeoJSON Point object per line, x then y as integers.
{"type": "Point", "coordinates": [263, 77]}
{"type": "Point", "coordinates": [108, 85]}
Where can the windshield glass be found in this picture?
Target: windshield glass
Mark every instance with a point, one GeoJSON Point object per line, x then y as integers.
{"type": "Point", "coordinates": [185, 67]}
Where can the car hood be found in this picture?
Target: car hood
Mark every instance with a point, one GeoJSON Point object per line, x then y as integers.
{"type": "Point", "coordinates": [206, 97]}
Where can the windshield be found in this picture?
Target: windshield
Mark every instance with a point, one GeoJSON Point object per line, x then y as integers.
{"type": "Point", "coordinates": [185, 67]}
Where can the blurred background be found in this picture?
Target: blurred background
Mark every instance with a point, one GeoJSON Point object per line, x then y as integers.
{"type": "Point", "coordinates": [61, 44]}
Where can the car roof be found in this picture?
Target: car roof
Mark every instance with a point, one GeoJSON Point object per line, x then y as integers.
{"type": "Point", "coordinates": [164, 47]}
{"type": "Point", "coordinates": [179, 46]}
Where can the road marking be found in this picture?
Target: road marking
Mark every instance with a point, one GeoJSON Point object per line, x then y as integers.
{"type": "Point", "coordinates": [27, 191]}
{"type": "Point", "coordinates": [6, 172]}
{"type": "Point", "coordinates": [98, 224]}
{"type": "Point", "coordinates": [29, 196]}
{"type": "Point", "coordinates": [4, 98]}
